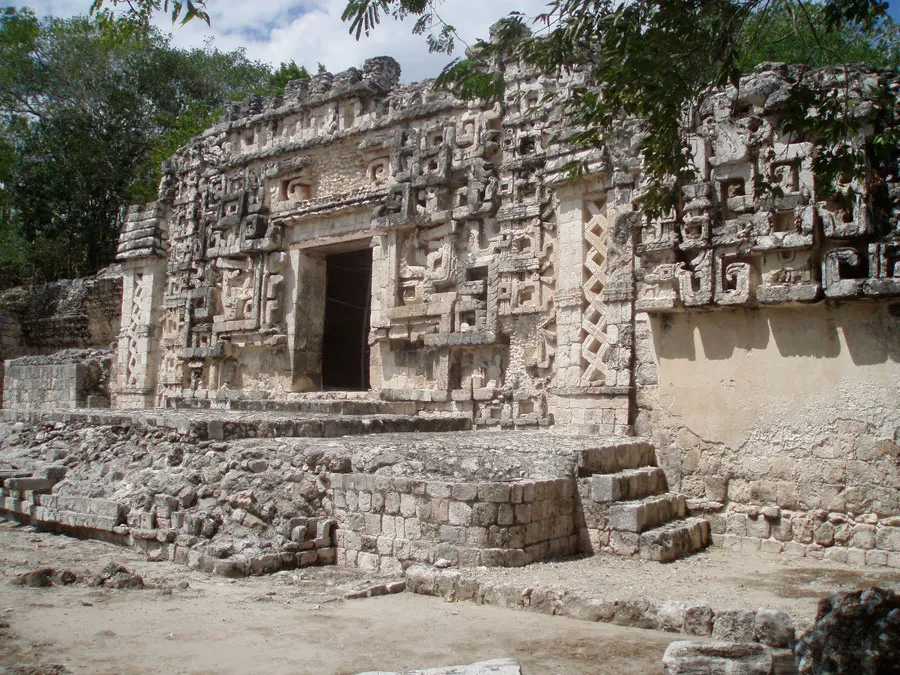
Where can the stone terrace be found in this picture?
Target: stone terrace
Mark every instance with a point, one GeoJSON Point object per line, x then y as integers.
{"type": "Point", "coordinates": [179, 483]}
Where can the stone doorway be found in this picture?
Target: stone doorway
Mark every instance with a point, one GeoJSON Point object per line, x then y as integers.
{"type": "Point", "coordinates": [345, 342]}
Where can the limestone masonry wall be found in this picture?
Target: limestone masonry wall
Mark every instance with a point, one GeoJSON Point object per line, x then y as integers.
{"type": "Point", "coordinates": [389, 522]}
{"type": "Point", "coordinates": [68, 379]}
{"type": "Point", "coordinates": [63, 315]}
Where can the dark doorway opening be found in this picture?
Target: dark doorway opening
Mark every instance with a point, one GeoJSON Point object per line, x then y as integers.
{"type": "Point", "coordinates": [345, 343]}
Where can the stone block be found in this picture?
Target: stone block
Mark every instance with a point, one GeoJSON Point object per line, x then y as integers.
{"type": "Point", "coordinates": [888, 539]}
{"type": "Point", "coordinates": [774, 628]}
{"type": "Point", "coordinates": [497, 493]}
{"type": "Point", "coordinates": [734, 626]}
{"type": "Point", "coordinates": [372, 523]}
{"type": "Point", "coordinates": [484, 514]}
{"type": "Point", "coordinates": [713, 658]}
{"type": "Point", "coordinates": [407, 505]}
{"type": "Point", "coordinates": [465, 492]}
{"type": "Point", "coordinates": [698, 620]}
{"type": "Point", "coordinates": [460, 513]}
{"type": "Point", "coordinates": [876, 558]}
{"type": "Point", "coordinates": [863, 536]}
{"type": "Point", "coordinates": [505, 514]}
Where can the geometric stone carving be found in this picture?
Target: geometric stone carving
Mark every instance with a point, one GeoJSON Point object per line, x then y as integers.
{"type": "Point", "coordinates": [593, 323]}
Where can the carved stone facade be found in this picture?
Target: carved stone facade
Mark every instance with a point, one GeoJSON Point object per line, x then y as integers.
{"type": "Point", "coordinates": [733, 244]}
{"type": "Point", "coordinates": [447, 239]}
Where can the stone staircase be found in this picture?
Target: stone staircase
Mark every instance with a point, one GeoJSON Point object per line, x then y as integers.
{"type": "Point", "coordinates": [628, 509]}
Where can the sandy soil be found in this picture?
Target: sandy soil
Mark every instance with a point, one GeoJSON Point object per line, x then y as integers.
{"type": "Point", "coordinates": [291, 622]}
{"type": "Point", "coordinates": [722, 579]}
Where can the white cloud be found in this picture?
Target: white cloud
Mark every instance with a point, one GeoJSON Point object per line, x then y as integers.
{"type": "Point", "coordinates": [311, 31]}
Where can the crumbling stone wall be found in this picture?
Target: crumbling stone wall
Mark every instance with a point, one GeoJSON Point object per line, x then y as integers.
{"type": "Point", "coordinates": [391, 522]}
{"type": "Point", "coordinates": [72, 378]}
{"type": "Point", "coordinates": [63, 315]}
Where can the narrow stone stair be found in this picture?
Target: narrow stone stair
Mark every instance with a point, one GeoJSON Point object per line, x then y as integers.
{"type": "Point", "coordinates": [631, 512]}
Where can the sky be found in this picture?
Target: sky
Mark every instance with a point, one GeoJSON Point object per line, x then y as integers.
{"type": "Point", "coordinates": [311, 31]}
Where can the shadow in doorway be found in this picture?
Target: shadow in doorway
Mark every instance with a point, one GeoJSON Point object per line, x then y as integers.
{"type": "Point", "coordinates": [345, 344]}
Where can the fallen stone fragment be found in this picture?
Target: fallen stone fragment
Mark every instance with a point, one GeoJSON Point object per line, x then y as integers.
{"type": "Point", "coordinates": [714, 658]}
{"type": "Point", "coordinates": [36, 578]}
{"type": "Point", "coordinates": [117, 576]}
{"type": "Point", "coordinates": [389, 588]}
{"type": "Point", "coordinates": [125, 580]}
{"type": "Point", "coordinates": [492, 667]}
{"type": "Point", "coordinates": [856, 632]}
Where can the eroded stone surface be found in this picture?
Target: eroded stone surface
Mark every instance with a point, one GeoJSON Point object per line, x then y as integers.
{"type": "Point", "coordinates": [854, 632]}
{"type": "Point", "coordinates": [702, 658]}
{"type": "Point", "coordinates": [492, 667]}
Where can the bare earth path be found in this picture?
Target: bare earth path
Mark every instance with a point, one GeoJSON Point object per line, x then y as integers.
{"type": "Point", "coordinates": [717, 577]}
{"type": "Point", "coordinates": [299, 622]}
{"type": "Point", "coordinates": [287, 623]}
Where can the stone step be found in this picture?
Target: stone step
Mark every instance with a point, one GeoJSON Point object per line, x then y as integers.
{"type": "Point", "coordinates": [325, 426]}
{"type": "Point", "coordinates": [318, 406]}
{"type": "Point", "coordinates": [622, 455]}
{"type": "Point", "coordinates": [674, 540]}
{"type": "Point", "coordinates": [647, 513]}
{"type": "Point", "coordinates": [33, 484]}
{"type": "Point", "coordinates": [227, 425]}
{"type": "Point", "coordinates": [630, 484]}
{"type": "Point", "coordinates": [14, 473]}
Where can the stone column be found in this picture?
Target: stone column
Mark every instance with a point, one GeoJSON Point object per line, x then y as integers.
{"type": "Point", "coordinates": [306, 321]}
{"type": "Point", "coordinates": [594, 309]}
{"type": "Point", "coordinates": [142, 249]}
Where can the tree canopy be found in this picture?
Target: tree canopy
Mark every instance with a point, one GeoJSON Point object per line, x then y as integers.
{"type": "Point", "coordinates": [659, 59]}
{"type": "Point", "coordinates": [89, 110]}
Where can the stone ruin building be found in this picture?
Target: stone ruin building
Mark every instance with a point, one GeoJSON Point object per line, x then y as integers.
{"type": "Point", "coordinates": [360, 255]}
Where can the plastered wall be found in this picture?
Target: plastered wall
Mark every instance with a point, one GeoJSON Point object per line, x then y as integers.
{"type": "Point", "coordinates": [779, 422]}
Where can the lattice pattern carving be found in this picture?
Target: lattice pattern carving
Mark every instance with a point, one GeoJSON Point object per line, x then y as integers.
{"type": "Point", "coordinates": [594, 344]}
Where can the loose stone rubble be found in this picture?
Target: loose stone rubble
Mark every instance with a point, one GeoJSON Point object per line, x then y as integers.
{"type": "Point", "coordinates": [381, 502]}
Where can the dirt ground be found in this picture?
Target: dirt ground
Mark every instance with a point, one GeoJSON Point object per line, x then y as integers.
{"type": "Point", "coordinates": [291, 622]}
{"type": "Point", "coordinates": [300, 622]}
{"type": "Point", "coordinates": [717, 577]}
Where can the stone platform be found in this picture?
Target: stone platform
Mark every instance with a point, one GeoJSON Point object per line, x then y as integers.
{"type": "Point", "coordinates": [231, 493]}
{"type": "Point", "coordinates": [318, 402]}
{"type": "Point", "coordinates": [227, 425]}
